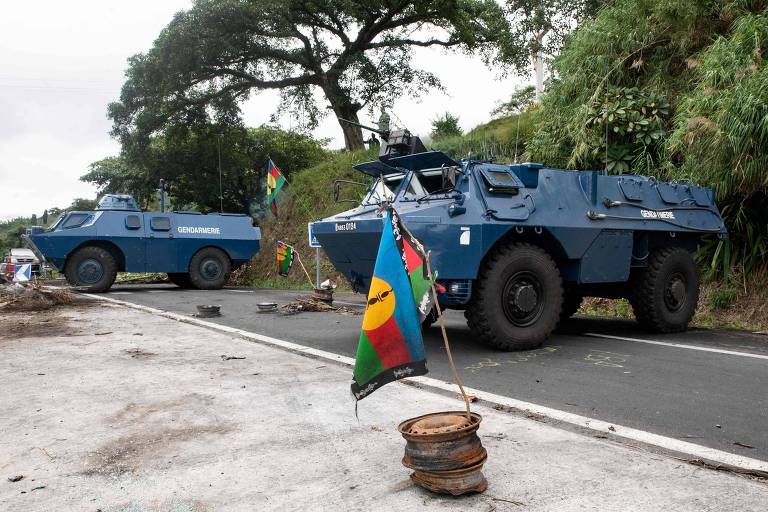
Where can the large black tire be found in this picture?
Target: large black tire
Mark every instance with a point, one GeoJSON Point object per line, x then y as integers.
{"type": "Point", "coordinates": [91, 269]}
{"type": "Point", "coordinates": [517, 298]}
{"type": "Point", "coordinates": [665, 293]}
{"type": "Point", "coordinates": [209, 269]}
{"type": "Point", "coordinates": [180, 279]}
{"type": "Point", "coordinates": [572, 300]}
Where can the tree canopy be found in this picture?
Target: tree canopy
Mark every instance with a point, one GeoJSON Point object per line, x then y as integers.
{"type": "Point", "coordinates": [357, 53]}
{"type": "Point", "coordinates": [187, 158]}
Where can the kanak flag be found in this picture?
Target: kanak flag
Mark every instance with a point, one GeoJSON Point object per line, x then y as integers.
{"type": "Point", "coordinates": [275, 181]}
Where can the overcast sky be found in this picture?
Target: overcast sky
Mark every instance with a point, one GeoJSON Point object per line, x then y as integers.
{"type": "Point", "coordinates": [61, 63]}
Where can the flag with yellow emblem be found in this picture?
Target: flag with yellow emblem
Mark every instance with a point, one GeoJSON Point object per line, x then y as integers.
{"type": "Point", "coordinates": [390, 346]}
{"type": "Point", "coordinates": [275, 181]}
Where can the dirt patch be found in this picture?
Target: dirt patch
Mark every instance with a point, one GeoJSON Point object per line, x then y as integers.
{"type": "Point", "coordinates": [34, 325]}
{"type": "Point", "coordinates": [134, 413]}
{"type": "Point", "coordinates": [128, 454]}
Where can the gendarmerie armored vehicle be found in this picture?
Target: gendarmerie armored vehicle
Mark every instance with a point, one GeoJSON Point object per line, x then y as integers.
{"type": "Point", "coordinates": [195, 250]}
{"type": "Point", "coordinates": [518, 246]}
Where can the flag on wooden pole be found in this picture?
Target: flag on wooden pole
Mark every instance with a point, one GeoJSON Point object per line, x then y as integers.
{"type": "Point", "coordinates": [275, 181]}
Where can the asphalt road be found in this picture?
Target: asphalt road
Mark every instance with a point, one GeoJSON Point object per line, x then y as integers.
{"type": "Point", "coordinates": [700, 393]}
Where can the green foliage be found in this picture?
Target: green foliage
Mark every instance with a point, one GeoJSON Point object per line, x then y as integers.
{"type": "Point", "coordinates": [188, 159]}
{"type": "Point", "coordinates": [520, 100]}
{"type": "Point", "coordinates": [446, 125]}
{"type": "Point", "coordinates": [10, 233]}
{"type": "Point", "coordinates": [504, 138]}
{"type": "Point", "coordinates": [722, 298]}
{"type": "Point", "coordinates": [700, 66]}
{"type": "Point", "coordinates": [631, 122]}
{"type": "Point", "coordinates": [214, 55]}
{"type": "Point", "coordinates": [540, 26]}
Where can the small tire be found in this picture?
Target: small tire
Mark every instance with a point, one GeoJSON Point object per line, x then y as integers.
{"type": "Point", "coordinates": [91, 269]}
{"type": "Point", "coordinates": [572, 300]}
{"type": "Point", "coordinates": [664, 294]}
{"type": "Point", "coordinates": [209, 269]}
{"type": "Point", "coordinates": [180, 279]}
{"type": "Point", "coordinates": [517, 298]}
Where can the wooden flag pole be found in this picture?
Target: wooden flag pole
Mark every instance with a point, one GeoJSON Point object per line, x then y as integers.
{"type": "Point", "coordinates": [445, 340]}
{"type": "Point", "coordinates": [303, 268]}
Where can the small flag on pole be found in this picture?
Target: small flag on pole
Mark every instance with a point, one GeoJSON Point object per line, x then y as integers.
{"type": "Point", "coordinates": [275, 181]}
{"type": "Point", "coordinates": [284, 258]}
{"type": "Point", "coordinates": [390, 346]}
{"type": "Point", "coordinates": [23, 273]}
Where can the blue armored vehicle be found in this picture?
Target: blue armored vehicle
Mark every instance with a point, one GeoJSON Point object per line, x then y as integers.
{"type": "Point", "coordinates": [195, 250]}
{"type": "Point", "coordinates": [519, 246]}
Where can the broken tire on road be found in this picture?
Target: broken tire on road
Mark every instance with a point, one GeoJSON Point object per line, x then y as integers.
{"type": "Point", "coordinates": [665, 293]}
{"type": "Point", "coordinates": [209, 269]}
{"type": "Point", "coordinates": [518, 298]}
{"type": "Point", "coordinates": [91, 269]}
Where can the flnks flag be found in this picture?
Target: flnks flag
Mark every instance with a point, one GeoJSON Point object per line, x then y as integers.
{"type": "Point", "coordinates": [390, 345]}
{"type": "Point", "coordinates": [275, 181]}
{"type": "Point", "coordinates": [284, 258]}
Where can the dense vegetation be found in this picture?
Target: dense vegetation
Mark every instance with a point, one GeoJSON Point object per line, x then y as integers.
{"type": "Point", "coordinates": [679, 90]}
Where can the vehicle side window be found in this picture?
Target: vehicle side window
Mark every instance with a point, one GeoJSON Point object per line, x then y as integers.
{"type": "Point", "coordinates": [75, 220]}
{"type": "Point", "coordinates": [160, 223]}
{"type": "Point", "coordinates": [132, 222]}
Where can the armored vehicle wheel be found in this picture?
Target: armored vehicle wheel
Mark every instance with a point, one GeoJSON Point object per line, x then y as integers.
{"type": "Point", "coordinates": [665, 293]}
{"type": "Point", "coordinates": [571, 303]}
{"type": "Point", "coordinates": [92, 269]}
{"type": "Point", "coordinates": [209, 269]}
{"type": "Point", "coordinates": [180, 279]}
{"type": "Point", "coordinates": [517, 299]}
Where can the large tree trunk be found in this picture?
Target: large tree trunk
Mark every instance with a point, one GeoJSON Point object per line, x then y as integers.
{"type": "Point", "coordinates": [344, 109]}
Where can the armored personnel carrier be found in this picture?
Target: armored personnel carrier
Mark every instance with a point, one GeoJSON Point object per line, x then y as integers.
{"type": "Point", "coordinates": [518, 246]}
{"type": "Point", "coordinates": [195, 250]}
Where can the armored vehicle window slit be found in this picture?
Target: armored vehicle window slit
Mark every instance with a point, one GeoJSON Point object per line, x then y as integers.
{"type": "Point", "coordinates": [501, 181]}
{"type": "Point", "coordinates": [160, 223]}
{"type": "Point", "coordinates": [132, 222]}
{"type": "Point", "coordinates": [75, 220]}
{"type": "Point", "coordinates": [378, 191]}
{"type": "Point", "coordinates": [424, 183]}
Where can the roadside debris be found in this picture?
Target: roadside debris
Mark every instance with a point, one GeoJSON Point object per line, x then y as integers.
{"type": "Point", "coordinates": [311, 304]}
{"type": "Point", "coordinates": [208, 311]}
{"type": "Point", "coordinates": [227, 358]}
{"type": "Point", "coordinates": [737, 443]}
{"type": "Point", "coordinates": [15, 478]}
{"type": "Point", "coordinates": [138, 353]}
{"type": "Point", "coordinates": [33, 297]}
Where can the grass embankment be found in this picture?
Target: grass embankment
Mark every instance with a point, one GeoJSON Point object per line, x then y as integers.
{"type": "Point", "coordinates": [307, 197]}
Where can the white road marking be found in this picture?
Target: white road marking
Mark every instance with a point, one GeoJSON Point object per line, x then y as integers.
{"type": "Point", "coordinates": [121, 293]}
{"type": "Point", "coordinates": [679, 345]}
{"type": "Point", "coordinates": [241, 291]}
{"type": "Point", "coordinates": [156, 291]}
{"type": "Point", "coordinates": [693, 450]}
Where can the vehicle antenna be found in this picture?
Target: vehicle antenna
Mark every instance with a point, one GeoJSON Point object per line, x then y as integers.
{"type": "Point", "coordinates": [517, 134]}
{"type": "Point", "coordinates": [221, 192]}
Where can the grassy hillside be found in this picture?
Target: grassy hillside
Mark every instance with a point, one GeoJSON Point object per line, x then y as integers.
{"type": "Point", "coordinates": [307, 197]}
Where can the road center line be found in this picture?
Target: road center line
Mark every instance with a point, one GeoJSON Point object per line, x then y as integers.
{"type": "Point", "coordinates": [668, 443]}
{"type": "Point", "coordinates": [678, 345]}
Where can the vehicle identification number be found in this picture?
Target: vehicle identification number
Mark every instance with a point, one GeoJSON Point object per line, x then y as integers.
{"type": "Point", "coordinates": [346, 226]}
{"type": "Point", "coordinates": [648, 214]}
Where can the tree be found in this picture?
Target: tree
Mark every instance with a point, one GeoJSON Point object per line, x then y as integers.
{"type": "Point", "coordinates": [446, 125]}
{"type": "Point", "coordinates": [82, 205]}
{"type": "Point", "coordinates": [357, 53]}
{"type": "Point", "coordinates": [187, 158]}
{"type": "Point", "coordinates": [539, 29]}
{"type": "Point", "coordinates": [519, 101]}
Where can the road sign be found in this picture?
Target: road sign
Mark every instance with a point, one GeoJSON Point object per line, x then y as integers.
{"type": "Point", "coordinates": [313, 242]}
{"type": "Point", "coordinates": [23, 273]}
